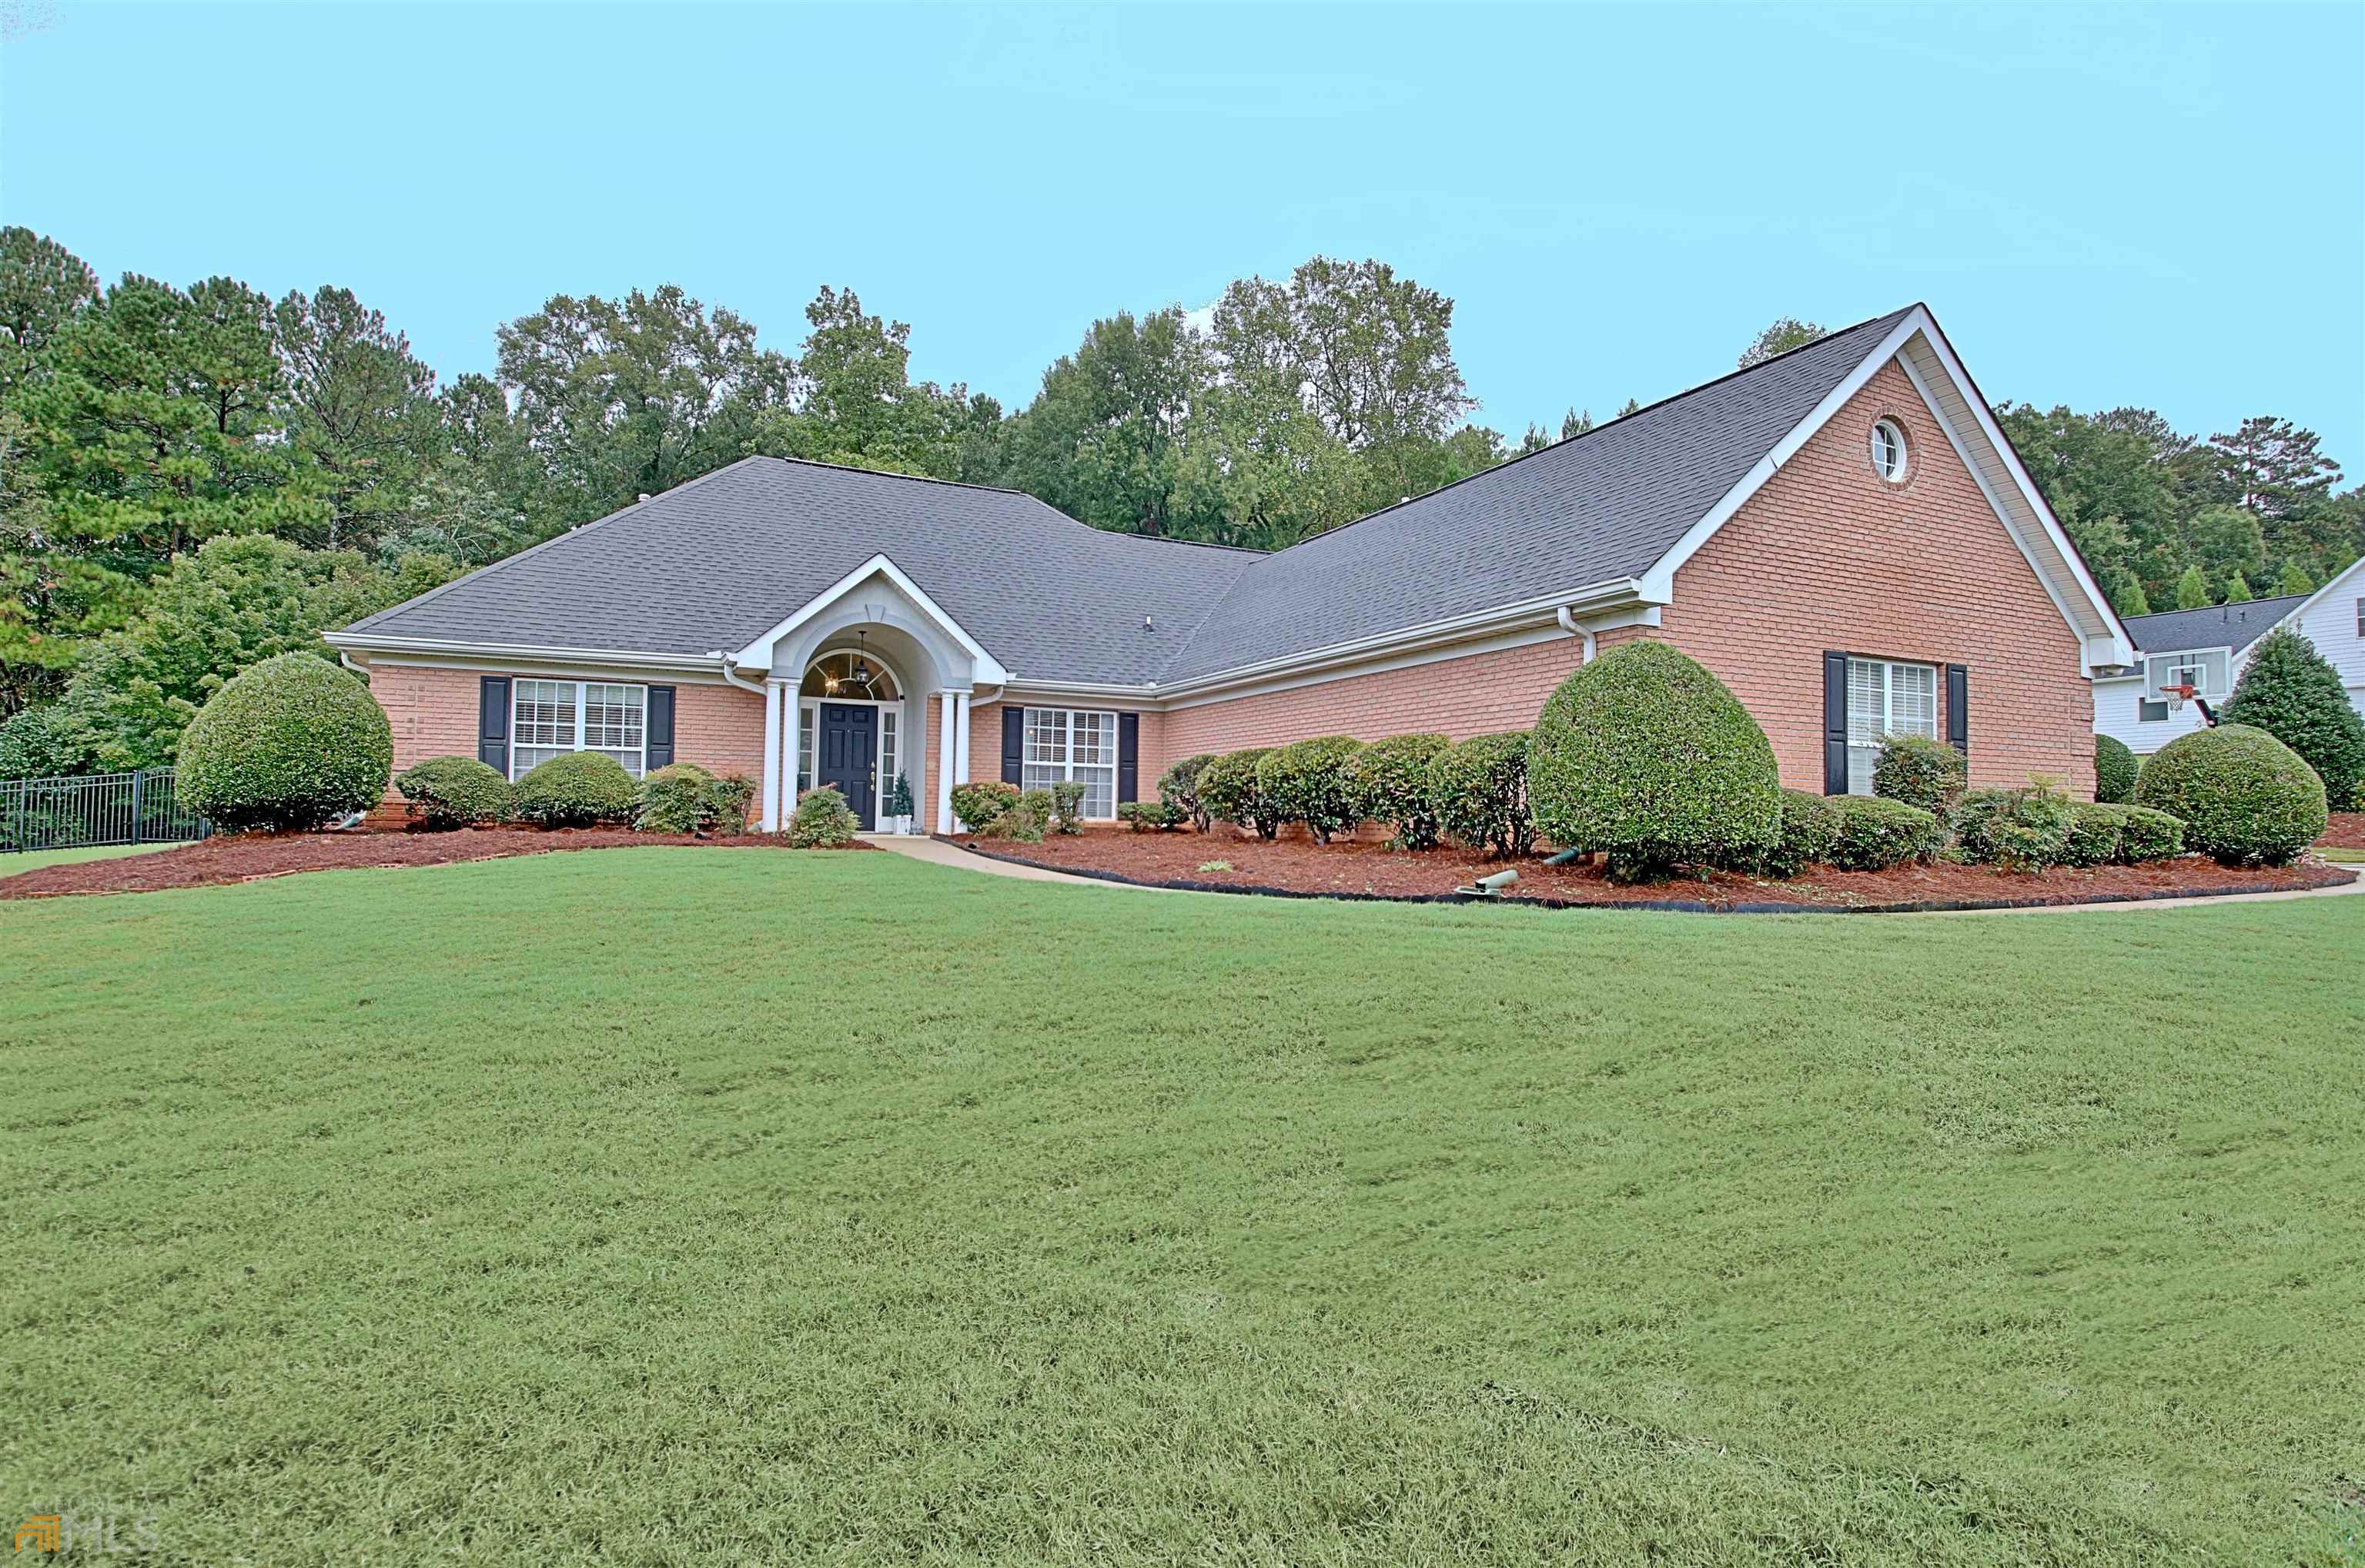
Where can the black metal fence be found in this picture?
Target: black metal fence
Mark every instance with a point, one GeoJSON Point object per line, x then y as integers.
{"type": "Point", "coordinates": [105, 808]}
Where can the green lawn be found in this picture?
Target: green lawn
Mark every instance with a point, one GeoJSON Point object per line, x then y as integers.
{"type": "Point", "coordinates": [687, 1206]}
{"type": "Point", "coordinates": [34, 859]}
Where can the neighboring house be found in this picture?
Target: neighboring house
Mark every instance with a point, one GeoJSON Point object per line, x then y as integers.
{"type": "Point", "coordinates": [1841, 534]}
{"type": "Point", "coordinates": [2208, 648]}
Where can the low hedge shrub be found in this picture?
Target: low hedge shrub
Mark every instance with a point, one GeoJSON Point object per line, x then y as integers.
{"type": "Point", "coordinates": [1306, 781]}
{"type": "Point", "coordinates": [1810, 835]}
{"type": "Point", "coordinates": [673, 799]}
{"type": "Point", "coordinates": [449, 792]}
{"type": "Point", "coordinates": [976, 805]}
{"type": "Point", "coordinates": [1387, 781]}
{"type": "Point", "coordinates": [685, 798]}
{"type": "Point", "coordinates": [288, 746]}
{"type": "Point", "coordinates": [2147, 835]}
{"type": "Point", "coordinates": [1178, 787]}
{"type": "Point", "coordinates": [823, 820]}
{"type": "Point", "coordinates": [1873, 834]}
{"type": "Point", "coordinates": [1230, 791]}
{"type": "Point", "coordinates": [1921, 772]}
{"type": "Point", "coordinates": [1026, 820]}
{"type": "Point", "coordinates": [1644, 754]}
{"type": "Point", "coordinates": [1148, 816]}
{"type": "Point", "coordinates": [2020, 830]}
{"type": "Point", "coordinates": [1479, 790]}
{"type": "Point", "coordinates": [2244, 796]}
{"type": "Point", "coordinates": [2114, 772]}
{"type": "Point", "coordinates": [581, 788]}
{"type": "Point", "coordinates": [2094, 833]}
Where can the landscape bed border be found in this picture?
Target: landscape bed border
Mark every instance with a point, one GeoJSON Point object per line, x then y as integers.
{"type": "Point", "coordinates": [1668, 906]}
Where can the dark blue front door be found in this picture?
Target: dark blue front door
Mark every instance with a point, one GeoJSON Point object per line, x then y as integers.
{"type": "Point", "coordinates": [850, 756]}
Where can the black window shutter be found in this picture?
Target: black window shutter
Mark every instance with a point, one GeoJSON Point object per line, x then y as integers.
{"type": "Point", "coordinates": [657, 728]}
{"type": "Point", "coordinates": [1958, 709]}
{"type": "Point", "coordinates": [493, 723]}
{"type": "Point", "coordinates": [1129, 756]}
{"type": "Point", "coordinates": [1013, 744]}
{"type": "Point", "coordinates": [1836, 728]}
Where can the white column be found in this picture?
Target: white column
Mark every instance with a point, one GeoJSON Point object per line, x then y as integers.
{"type": "Point", "coordinates": [945, 765]}
{"type": "Point", "coordinates": [961, 746]}
{"type": "Point", "coordinates": [772, 756]}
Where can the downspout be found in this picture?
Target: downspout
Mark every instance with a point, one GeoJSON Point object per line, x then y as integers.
{"type": "Point", "coordinates": [1568, 623]}
{"type": "Point", "coordinates": [731, 677]}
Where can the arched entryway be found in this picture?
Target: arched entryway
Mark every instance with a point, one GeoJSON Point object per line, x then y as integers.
{"type": "Point", "coordinates": [852, 731]}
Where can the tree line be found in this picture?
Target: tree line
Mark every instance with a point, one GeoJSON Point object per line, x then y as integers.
{"type": "Point", "coordinates": [195, 478]}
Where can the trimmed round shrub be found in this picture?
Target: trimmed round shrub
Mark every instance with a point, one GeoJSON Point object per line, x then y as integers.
{"type": "Point", "coordinates": [1178, 787]}
{"type": "Point", "coordinates": [2114, 772]}
{"type": "Point", "coordinates": [1810, 835]}
{"type": "Point", "coordinates": [976, 805]}
{"type": "Point", "coordinates": [1874, 834]}
{"type": "Point", "coordinates": [823, 820]}
{"type": "Point", "coordinates": [1306, 782]}
{"type": "Point", "coordinates": [2244, 796]}
{"type": "Point", "coordinates": [1644, 754]}
{"type": "Point", "coordinates": [1149, 816]}
{"type": "Point", "coordinates": [1388, 782]}
{"type": "Point", "coordinates": [2146, 834]}
{"type": "Point", "coordinates": [2094, 833]}
{"type": "Point", "coordinates": [1925, 773]}
{"type": "Point", "coordinates": [1479, 792]}
{"type": "Point", "coordinates": [286, 746]}
{"type": "Point", "coordinates": [675, 799]}
{"type": "Point", "coordinates": [448, 792]}
{"type": "Point", "coordinates": [1230, 791]}
{"type": "Point", "coordinates": [2291, 691]}
{"type": "Point", "coordinates": [580, 789]}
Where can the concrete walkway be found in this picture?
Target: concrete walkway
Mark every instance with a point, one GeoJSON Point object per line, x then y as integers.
{"type": "Point", "coordinates": [935, 852]}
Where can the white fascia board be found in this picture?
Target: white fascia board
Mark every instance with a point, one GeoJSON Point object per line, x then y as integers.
{"type": "Point", "coordinates": [2303, 606]}
{"type": "Point", "coordinates": [988, 669]}
{"type": "Point", "coordinates": [415, 649]}
{"type": "Point", "coordinates": [1993, 433]}
{"type": "Point", "coordinates": [1659, 582]}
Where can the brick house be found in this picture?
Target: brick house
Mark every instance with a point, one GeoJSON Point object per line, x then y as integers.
{"type": "Point", "coordinates": [1841, 534]}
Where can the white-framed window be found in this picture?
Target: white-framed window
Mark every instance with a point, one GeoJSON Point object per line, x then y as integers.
{"type": "Point", "coordinates": [1888, 455]}
{"type": "Point", "coordinates": [2209, 671]}
{"type": "Point", "coordinates": [806, 716]}
{"type": "Point", "coordinates": [887, 759]}
{"type": "Point", "coordinates": [1079, 744]}
{"type": "Point", "coordinates": [1884, 699]}
{"type": "Point", "coordinates": [551, 718]}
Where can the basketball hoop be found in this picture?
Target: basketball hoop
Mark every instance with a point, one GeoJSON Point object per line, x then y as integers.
{"type": "Point", "coordinates": [2177, 696]}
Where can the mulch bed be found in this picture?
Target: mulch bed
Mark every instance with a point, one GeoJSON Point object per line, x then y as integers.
{"type": "Point", "coordinates": [1300, 868]}
{"type": "Point", "coordinates": [248, 857]}
{"type": "Point", "coordinates": [2346, 831]}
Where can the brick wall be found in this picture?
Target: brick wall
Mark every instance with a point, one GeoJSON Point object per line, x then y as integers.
{"type": "Point", "coordinates": [1826, 556]}
{"type": "Point", "coordinates": [433, 713]}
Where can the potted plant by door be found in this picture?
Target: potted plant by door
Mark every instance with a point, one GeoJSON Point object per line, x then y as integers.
{"type": "Point", "coordinates": [899, 803]}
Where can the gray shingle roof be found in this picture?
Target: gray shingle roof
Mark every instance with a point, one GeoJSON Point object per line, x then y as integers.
{"type": "Point", "coordinates": [2218, 626]}
{"type": "Point", "coordinates": [715, 563]}
{"type": "Point", "coordinates": [1602, 505]}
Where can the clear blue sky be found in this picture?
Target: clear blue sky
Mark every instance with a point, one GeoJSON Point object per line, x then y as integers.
{"type": "Point", "coordinates": [2153, 206]}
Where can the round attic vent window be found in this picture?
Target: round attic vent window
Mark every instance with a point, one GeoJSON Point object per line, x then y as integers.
{"type": "Point", "coordinates": [1889, 451]}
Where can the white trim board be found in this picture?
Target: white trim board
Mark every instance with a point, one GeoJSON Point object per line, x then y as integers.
{"type": "Point", "coordinates": [759, 652]}
{"type": "Point", "coordinates": [2103, 642]}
